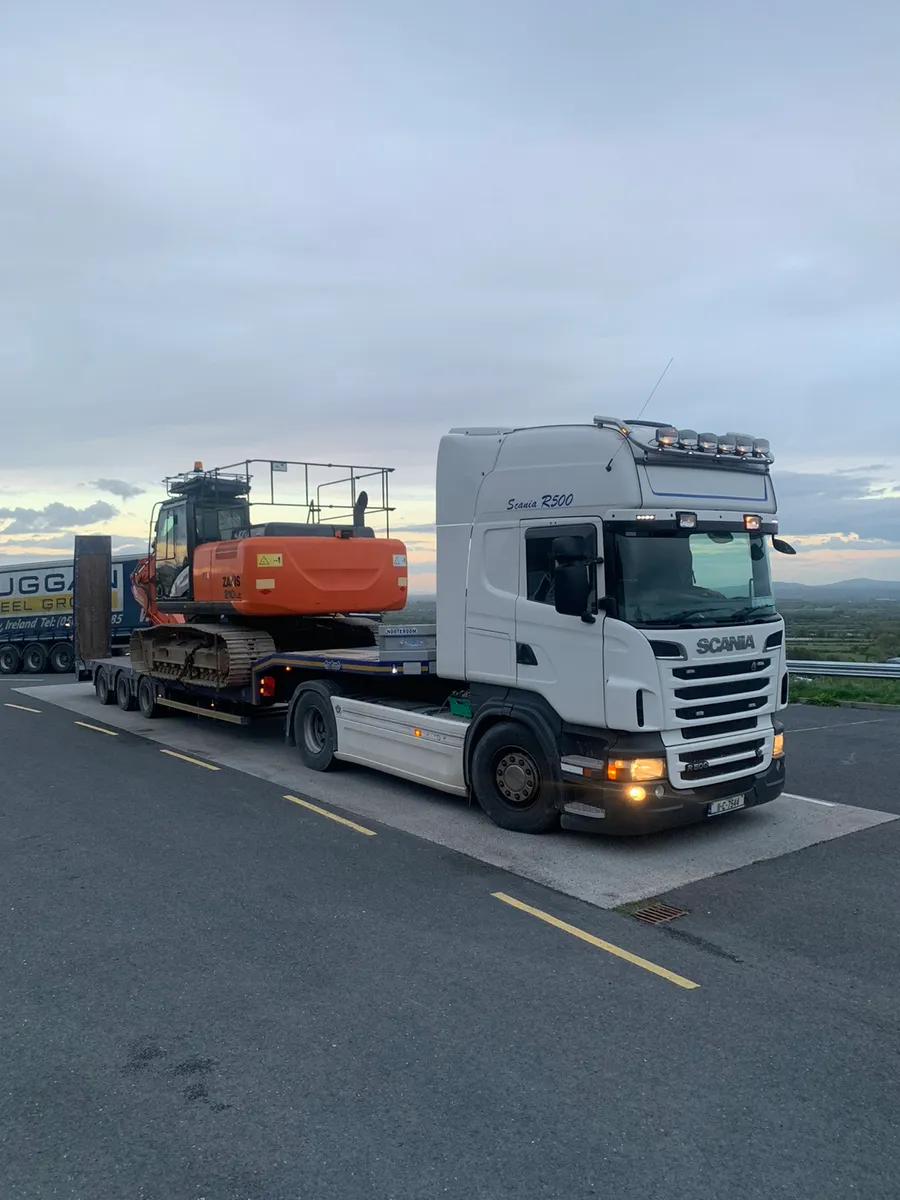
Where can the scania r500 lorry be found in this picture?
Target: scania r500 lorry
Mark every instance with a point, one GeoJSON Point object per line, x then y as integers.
{"type": "Point", "coordinates": [606, 651]}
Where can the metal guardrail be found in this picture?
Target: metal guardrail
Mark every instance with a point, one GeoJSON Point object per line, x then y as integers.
{"type": "Point", "coordinates": [874, 670]}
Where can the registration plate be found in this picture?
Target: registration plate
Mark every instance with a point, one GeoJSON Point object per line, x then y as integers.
{"type": "Point", "coordinates": [726, 804]}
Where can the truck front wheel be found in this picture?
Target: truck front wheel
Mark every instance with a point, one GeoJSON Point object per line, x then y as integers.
{"type": "Point", "coordinates": [512, 779]}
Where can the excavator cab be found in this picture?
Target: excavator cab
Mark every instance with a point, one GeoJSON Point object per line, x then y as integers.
{"type": "Point", "coordinates": [201, 509]}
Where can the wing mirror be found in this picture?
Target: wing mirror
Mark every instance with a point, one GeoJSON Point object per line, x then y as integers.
{"type": "Point", "coordinates": [573, 582]}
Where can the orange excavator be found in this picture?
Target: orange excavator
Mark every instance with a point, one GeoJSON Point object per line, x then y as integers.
{"type": "Point", "coordinates": [219, 592]}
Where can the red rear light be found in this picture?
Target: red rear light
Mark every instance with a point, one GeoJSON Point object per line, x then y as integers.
{"type": "Point", "coordinates": [267, 686]}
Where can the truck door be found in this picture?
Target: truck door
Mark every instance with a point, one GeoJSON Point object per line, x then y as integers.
{"type": "Point", "coordinates": [561, 657]}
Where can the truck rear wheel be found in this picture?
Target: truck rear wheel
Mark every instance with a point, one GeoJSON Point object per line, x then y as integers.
{"type": "Point", "coordinates": [124, 695]}
{"type": "Point", "coordinates": [513, 779]}
{"type": "Point", "coordinates": [10, 659]}
{"type": "Point", "coordinates": [102, 687]}
{"type": "Point", "coordinates": [314, 729]}
{"type": "Point", "coordinates": [34, 660]}
{"type": "Point", "coordinates": [62, 658]}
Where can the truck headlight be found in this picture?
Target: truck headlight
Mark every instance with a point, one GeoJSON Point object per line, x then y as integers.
{"type": "Point", "coordinates": [636, 770]}
{"type": "Point", "coordinates": [778, 745]}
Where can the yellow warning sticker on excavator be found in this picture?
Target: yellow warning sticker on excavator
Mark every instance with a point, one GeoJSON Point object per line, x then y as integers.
{"type": "Point", "coordinates": [269, 560]}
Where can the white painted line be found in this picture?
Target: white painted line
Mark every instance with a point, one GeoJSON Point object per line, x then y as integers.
{"type": "Point", "coordinates": [97, 728]}
{"type": "Point", "coordinates": [809, 800]}
{"type": "Point", "coordinates": [838, 725]}
{"type": "Point", "coordinates": [187, 758]}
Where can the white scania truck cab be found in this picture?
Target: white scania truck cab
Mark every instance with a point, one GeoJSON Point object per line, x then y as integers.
{"type": "Point", "coordinates": [607, 649]}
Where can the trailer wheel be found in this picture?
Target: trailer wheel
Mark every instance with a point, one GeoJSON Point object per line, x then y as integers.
{"type": "Point", "coordinates": [10, 659]}
{"type": "Point", "coordinates": [146, 698]}
{"type": "Point", "coordinates": [102, 687]}
{"type": "Point", "coordinates": [315, 734]}
{"type": "Point", "coordinates": [124, 695]}
{"type": "Point", "coordinates": [62, 658]}
{"type": "Point", "coordinates": [513, 779]}
{"type": "Point", "coordinates": [34, 660]}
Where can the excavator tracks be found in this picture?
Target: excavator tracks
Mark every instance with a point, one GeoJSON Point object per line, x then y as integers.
{"type": "Point", "coordinates": [213, 656]}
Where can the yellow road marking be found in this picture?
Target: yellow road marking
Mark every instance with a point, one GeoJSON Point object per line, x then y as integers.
{"type": "Point", "coordinates": [323, 812]}
{"type": "Point", "coordinates": [186, 758]}
{"type": "Point", "coordinates": [97, 728]}
{"type": "Point", "coordinates": [24, 708]}
{"type": "Point", "coordinates": [679, 980]}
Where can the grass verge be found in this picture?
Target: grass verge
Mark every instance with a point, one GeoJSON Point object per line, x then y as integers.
{"type": "Point", "coordinates": [830, 692]}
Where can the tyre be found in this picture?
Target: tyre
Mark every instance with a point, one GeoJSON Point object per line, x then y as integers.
{"type": "Point", "coordinates": [104, 691]}
{"type": "Point", "coordinates": [124, 695]}
{"type": "Point", "coordinates": [35, 659]}
{"type": "Point", "coordinates": [314, 729]}
{"type": "Point", "coordinates": [513, 779]}
{"type": "Point", "coordinates": [10, 659]}
{"type": "Point", "coordinates": [62, 658]}
{"type": "Point", "coordinates": [146, 698]}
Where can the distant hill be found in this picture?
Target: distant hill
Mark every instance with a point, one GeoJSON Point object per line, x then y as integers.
{"type": "Point", "coordinates": [844, 592]}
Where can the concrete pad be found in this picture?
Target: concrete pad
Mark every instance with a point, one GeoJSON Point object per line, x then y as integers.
{"type": "Point", "coordinates": [603, 871]}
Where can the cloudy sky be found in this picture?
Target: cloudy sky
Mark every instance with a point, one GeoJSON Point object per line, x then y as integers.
{"type": "Point", "coordinates": [332, 230]}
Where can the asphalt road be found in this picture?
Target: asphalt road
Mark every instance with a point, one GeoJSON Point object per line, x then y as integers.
{"type": "Point", "coordinates": [848, 755]}
{"type": "Point", "coordinates": [211, 993]}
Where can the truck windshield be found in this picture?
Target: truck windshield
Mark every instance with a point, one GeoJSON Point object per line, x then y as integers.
{"type": "Point", "coordinates": [684, 578]}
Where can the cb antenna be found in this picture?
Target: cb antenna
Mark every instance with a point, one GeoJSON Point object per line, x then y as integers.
{"type": "Point", "coordinates": [643, 410]}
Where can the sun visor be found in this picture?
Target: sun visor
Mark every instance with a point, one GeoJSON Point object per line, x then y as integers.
{"type": "Point", "coordinates": [695, 487]}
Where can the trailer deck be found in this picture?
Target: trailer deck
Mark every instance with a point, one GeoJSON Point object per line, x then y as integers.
{"type": "Point", "coordinates": [400, 651]}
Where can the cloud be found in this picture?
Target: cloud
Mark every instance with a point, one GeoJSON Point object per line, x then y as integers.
{"type": "Point", "coordinates": [54, 517]}
{"type": "Point", "coordinates": [425, 528]}
{"type": "Point", "coordinates": [118, 487]}
{"type": "Point", "coordinates": [38, 543]}
{"type": "Point", "coordinates": [850, 507]}
{"type": "Point", "coordinates": [466, 217]}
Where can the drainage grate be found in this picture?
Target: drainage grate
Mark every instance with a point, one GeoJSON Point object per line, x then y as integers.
{"type": "Point", "coordinates": [658, 914]}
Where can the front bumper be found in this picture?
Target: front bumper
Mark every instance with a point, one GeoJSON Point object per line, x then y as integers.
{"type": "Point", "coordinates": [612, 813]}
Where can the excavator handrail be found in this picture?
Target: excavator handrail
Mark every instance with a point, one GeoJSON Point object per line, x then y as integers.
{"type": "Point", "coordinates": [240, 472]}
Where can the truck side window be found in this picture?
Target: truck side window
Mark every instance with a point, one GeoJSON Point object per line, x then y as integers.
{"type": "Point", "coordinates": [539, 562]}
{"type": "Point", "coordinates": [539, 569]}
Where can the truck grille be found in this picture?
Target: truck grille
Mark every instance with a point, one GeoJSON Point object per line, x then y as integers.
{"type": "Point", "coordinates": [700, 766]}
{"type": "Point", "coordinates": [715, 702]}
{"type": "Point", "coordinates": [716, 695]}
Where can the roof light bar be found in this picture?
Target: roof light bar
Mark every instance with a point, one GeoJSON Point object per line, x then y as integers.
{"type": "Point", "coordinates": [688, 441]}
